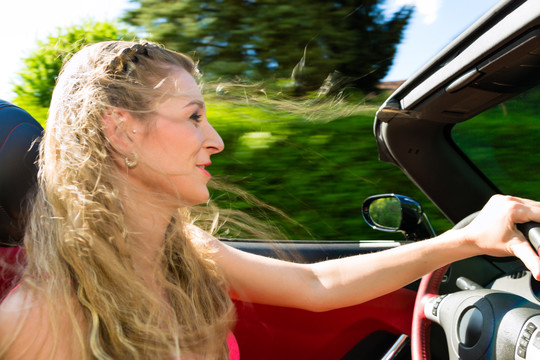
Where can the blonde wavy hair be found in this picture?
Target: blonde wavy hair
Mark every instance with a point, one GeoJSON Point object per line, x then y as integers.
{"type": "Point", "coordinates": [77, 243]}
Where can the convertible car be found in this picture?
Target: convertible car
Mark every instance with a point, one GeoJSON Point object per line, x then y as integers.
{"type": "Point", "coordinates": [459, 129]}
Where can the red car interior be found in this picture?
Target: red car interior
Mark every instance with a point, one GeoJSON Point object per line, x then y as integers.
{"type": "Point", "coordinates": [269, 332]}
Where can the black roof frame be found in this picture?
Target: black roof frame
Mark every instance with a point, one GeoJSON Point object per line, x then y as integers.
{"type": "Point", "coordinates": [497, 58]}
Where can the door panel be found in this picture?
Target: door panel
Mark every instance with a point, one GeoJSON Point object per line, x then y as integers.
{"type": "Point", "coordinates": [271, 332]}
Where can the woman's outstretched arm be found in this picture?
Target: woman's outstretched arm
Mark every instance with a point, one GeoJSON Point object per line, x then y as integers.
{"type": "Point", "coordinates": [353, 280]}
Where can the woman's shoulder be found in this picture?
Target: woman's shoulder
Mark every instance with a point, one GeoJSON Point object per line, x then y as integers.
{"type": "Point", "coordinates": [21, 313]}
{"type": "Point", "coordinates": [26, 325]}
{"type": "Point", "coordinates": [21, 301]}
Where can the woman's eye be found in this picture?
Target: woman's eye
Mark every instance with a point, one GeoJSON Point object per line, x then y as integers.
{"type": "Point", "coordinates": [196, 117]}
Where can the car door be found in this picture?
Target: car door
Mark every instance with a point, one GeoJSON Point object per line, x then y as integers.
{"type": "Point", "coordinates": [365, 331]}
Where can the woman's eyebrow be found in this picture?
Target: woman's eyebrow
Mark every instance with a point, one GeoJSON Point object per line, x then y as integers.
{"type": "Point", "coordinates": [197, 102]}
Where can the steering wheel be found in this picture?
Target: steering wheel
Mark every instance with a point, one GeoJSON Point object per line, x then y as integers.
{"type": "Point", "coordinates": [429, 287]}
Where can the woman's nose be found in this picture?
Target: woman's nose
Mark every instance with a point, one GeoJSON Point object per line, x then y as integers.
{"type": "Point", "coordinates": [213, 142]}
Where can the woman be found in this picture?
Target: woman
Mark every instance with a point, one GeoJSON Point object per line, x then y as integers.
{"type": "Point", "coordinates": [116, 268]}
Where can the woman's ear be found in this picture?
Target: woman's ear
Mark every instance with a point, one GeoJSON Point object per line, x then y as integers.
{"type": "Point", "coordinates": [115, 125]}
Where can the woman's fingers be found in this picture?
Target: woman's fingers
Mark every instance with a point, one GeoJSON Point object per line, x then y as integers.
{"type": "Point", "coordinates": [522, 210]}
{"type": "Point", "coordinates": [495, 232]}
{"type": "Point", "coordinates": [525, 252]}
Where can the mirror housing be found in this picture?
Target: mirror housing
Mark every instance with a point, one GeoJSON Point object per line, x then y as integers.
{"type": "Point", "coordinates": [397, 213]}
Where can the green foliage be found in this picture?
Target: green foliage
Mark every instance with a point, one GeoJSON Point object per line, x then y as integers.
{"type": "Point", "coordinates": [503, 143]}
{"type": "Point", "coordinates": [37, 78]}
{"type": "Point", "coordinates": [315, 161]}
{"type": "Point", "coordinates": [346, 42]}
{"type": "Point", "coordinates": [386, 212]}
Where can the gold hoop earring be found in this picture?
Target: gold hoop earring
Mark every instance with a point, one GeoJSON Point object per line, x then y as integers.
{"type": "Point", "coordinates": [131, 163]}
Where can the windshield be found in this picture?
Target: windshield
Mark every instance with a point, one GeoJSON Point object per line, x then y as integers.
{"type": "Point", "coordinates": [504, 143]}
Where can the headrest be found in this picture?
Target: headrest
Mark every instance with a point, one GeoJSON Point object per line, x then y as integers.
{"type": "Point", "coordinates": [18, 168]}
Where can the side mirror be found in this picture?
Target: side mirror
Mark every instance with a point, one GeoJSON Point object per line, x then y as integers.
{"type": "Point", "coordinates": [397, 213]}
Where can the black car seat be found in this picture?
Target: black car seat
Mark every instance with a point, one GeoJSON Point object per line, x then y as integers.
{"type": "Point", "coordinates": [18, 153]}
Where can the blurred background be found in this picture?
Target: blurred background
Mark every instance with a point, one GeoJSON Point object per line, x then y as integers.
{"type": "Point", "coordinates": [291, 86]}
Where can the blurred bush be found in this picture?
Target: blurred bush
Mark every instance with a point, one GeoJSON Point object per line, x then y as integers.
{"type": "Point", "coordinates": [503, 143]}
{"type": "Point", "coordinates": [315, 159]}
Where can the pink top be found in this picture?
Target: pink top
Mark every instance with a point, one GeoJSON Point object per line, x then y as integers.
{"type": "Point", "coordinates": [234, 350]}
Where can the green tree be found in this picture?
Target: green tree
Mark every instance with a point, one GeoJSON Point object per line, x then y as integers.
{"type": "Point", "coordinates": [350, 40]}
{"type": "Point", "coordinates": [35, 83]}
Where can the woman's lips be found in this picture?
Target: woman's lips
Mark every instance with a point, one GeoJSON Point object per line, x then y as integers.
{"type": "Point", "coordinates": [204, 171]}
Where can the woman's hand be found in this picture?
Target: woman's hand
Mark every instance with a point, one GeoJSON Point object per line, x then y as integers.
{"type": "Point", "coordinates": [494, 231]}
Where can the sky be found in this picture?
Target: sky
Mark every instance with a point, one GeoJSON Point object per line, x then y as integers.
{"type": "Point", "coordinates": [434, 24]}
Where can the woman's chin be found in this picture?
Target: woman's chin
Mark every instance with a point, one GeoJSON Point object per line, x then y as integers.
{"type": "Point", "coordinates": [199, 199]}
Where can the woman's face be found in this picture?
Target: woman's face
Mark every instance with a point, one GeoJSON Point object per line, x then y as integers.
{"type": "Point", "coordinates": [174, 151]}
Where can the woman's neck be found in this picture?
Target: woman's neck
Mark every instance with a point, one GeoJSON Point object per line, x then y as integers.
{"type": "Point", "coordinates": [147, 223]}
